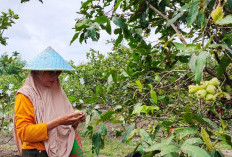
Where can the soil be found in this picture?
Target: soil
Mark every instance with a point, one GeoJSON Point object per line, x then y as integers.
{"type": "Point", "coordinates": [8, 147]}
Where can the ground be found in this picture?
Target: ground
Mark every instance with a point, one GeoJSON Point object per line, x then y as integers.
{"type": "Point", "coordinates": [7, 146]}
{"type": "Point", "coordinates": [9, 149]}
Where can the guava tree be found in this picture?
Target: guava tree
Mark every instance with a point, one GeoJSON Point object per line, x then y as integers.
{"type": "Point", "coordinates": [173, 44]}
{"type": "Point", "coordinates": [11, 78]}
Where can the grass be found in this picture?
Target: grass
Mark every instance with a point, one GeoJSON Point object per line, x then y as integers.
{"type": "Point", "coordinates": [113, 148]}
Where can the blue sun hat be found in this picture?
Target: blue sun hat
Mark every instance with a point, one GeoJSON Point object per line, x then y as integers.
{"type": "Point", "coordinates": [48, 60]}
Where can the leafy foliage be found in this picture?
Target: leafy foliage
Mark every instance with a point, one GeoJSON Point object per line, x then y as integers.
{"type": "Point", "coordinates": [6, 21]}
{"type": "Point", "coordinates": [194, 43]}
{"type": "Point", "coordinates": [11, 78]}
{"type": "Point", "coordinates": [141, 88]}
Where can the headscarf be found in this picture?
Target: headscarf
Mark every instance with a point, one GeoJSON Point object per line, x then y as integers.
{"type": "Point", "coordinates": [50, 103]}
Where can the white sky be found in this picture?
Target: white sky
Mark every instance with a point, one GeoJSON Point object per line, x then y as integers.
{"type": "Point", "coordinates": [48, 24]}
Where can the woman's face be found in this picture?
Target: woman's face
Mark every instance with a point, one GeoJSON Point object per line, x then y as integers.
{"type": "Point", "coordinates": [49, 78]}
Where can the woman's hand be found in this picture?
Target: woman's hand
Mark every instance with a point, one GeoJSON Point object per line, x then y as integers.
{"type": "Point", "coordinates": [81, 120]}
{"type": "Point", "coordinates": [68, 119]}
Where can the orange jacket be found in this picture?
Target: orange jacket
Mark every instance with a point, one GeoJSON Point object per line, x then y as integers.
{"type": "Point", "coordinates": [31, 134]}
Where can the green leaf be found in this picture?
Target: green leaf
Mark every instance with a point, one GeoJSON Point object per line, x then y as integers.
{"type": "Point", "coordinates": [137, 109]}
{"type": "Point", "coordinates": [86, 3]}
{"type": "Point", "coordinates": [118, 107]}
{"type": "Point", "coordinates": [161, 145]}
{"type": "Point", "coordinates": [221, 45]}
{"type": "Point", "coordinates": [169, 149]}
{"type": "Point", "coordinates": [82, 24]}
{"type": "Point", "coordinates": [124, 74]}
{"type": "Point", "coordinates": [200, 65]}
{"type": "Point", "coordinates": [190, 130]}
{"type": "Point", "coordinates": [206, 139]}
{"type": "Point", "coordinates": [96, 141]}
{"type": "Point", "coordinates": [102, 19]}
{"type": "Point", "coordinates": [182, 10]}
{"type": "Point", "coordinates": [208, 43]}
{"type": "Point", "coordinates": [23, 1]}
{"type": "Point", "coordinates": [118, 21]}
{"type": "Point", "coordinates": [215, 153]}
{"type": "Point", "coordinates": [210, 124]}
{"type": "Point", "coordinates": [192, 14]}
{"type": "Point", "coordinates": [128, 132]}
{"type": "Point", "coordinates": [223, 124]}
{"type": "Point", "coordinates": [198, 118]}
{"type": "Point", "coordinates": [224, 63]}
{"type": "Point", "coordinates": [74, 38]}
{"type": "Point", "coordinates": [105, 116]}
{"type": "Point", "coordinates": [186, 53]}
{"type": "Point", "coordinates": [92, 33]}
{"type": "Point", "coordinates": [157, 78]}
{"type": "Point", "coordinates": [117, 4]}
{"type": "Point", "coordinates": [179, 46]}
{"type": "Point", "coordinates": [103, 130]}
{"type": "Point", "coordinates": [225, 21]}
{"type": "Point", "coordinates": [230, 3]}
{"type": "Point", "coordinates": [192, 62]}
{"type": "Point", "coordinates": [118, 40]}
{"type": "Point", "coordinates": [173, 154]}
{"type": "Point", "coordinates": [110, 79]}
{"type": "Point", "coordinates": [152, 108]}
{"type": "Point", "coordinates": [217, 14]}
{"type": "Point", "coordinates": [189, 47]}
{"type": "Point", "coordinates": [145, 136]}
{"type": "Point", "coordinates": [188, 118]}
{"type": "Point", "coordinates": [99, 90]}
{"type": "Point", "coordinates": [82, 37]}
{"type": "Point", "coordinates": [153, 96]}
{"type": "Point", "coordinates": [194, 151]}
{"type": "Point", "coordinates": [175, 18]}
{"type": "Point", "coordinates": [108, 28]}
{"type": "Point", "coordinates": [227, 139]}
{"type": "Point", "coordinates": [192, 141]}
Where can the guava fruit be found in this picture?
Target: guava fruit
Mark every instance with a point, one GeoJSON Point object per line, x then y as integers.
{"type": "Point", "coordinates": [214, 81]}
{"type": "Point", "coordinates": [78, 111]}
{"type": "Point", "coordinates": [192, 89]}
{"type": "Point", "coordinates": [211, 89]}
{"type": "Point", "coordinates": [202, 86]}
{"type": "Point", "coordinates": [201, 93]}
{"type": "Point", "coordinates": [206, 83]}
{"type": "Point", "coordinates": [210, 98]}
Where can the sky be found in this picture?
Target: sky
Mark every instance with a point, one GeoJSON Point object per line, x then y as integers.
{"type": "Point", "coordinates": [48, 24]}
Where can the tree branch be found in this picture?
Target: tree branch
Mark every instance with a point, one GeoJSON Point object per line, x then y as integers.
{"type": "Point", "coordinates": [166, 18]}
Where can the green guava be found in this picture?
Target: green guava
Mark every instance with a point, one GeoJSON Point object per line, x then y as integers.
{"type": "Point", "coordinates": [201, 93]}
{"type": "Point", "coordinates": [192, 89]}
{"type": "Point", "coordinates": [211, 89]}
{"type": "Point", "coordinates": [214, 81]}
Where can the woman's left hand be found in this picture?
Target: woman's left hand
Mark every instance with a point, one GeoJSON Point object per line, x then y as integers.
{"type": "Point", "coordinates": [82, 119]}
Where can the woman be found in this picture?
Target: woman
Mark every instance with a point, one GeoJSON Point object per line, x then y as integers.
{"type": "Point", "coordinates": [45, 121]}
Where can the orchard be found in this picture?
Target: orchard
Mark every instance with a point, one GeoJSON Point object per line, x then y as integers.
{"type": "Point", "coordinates": [166, 86]}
